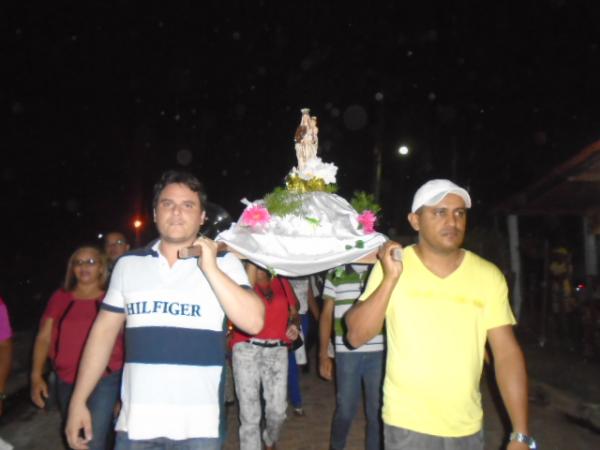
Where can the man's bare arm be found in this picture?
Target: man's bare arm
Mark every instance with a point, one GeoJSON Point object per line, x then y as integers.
{"type": "Point", "coordinates": [242, 306]}
{"type": "Point", "coordinates": [325, 325]}
{"type": "Point", "coordinates": [511, 376]}
{"type": "Point", "coordinates": [95, 359]}
{"type": "Point", "coordinates": [365, 319]}
{"type": "Point", "coordinates": [41, 349]}
{"type": "Point", "coordinates": [6, 352]}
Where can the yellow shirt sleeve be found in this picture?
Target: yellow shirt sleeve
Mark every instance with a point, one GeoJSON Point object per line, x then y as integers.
{"type": "Point", "coordinates": [373, 282]}
{"type": "Point", "coordinates": [498, 311]}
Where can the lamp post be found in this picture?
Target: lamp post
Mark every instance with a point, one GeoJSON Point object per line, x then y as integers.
{"type": "Point", "coordinates": [402, 151]}
{"type": "Point", "coordinates": [377, 180]}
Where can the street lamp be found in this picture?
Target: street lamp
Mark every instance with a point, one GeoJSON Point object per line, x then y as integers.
{"type": "Point", "coordinates": [137, 227]}
{"type": "Point", "coordinates": [403, 150]}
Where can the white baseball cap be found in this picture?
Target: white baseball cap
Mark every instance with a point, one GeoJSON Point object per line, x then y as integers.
{"type": "Point", "coordinates": [434, 191]}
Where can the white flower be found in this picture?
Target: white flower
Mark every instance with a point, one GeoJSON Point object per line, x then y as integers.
{"type": "Point", "coordinates": [316, 168]}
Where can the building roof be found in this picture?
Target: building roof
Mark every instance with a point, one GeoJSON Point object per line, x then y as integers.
{"type": "Point", "coordinates": [573, 187]}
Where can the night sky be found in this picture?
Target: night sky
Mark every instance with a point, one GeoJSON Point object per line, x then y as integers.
{"type": "Point", "coordinates": [101, 98]}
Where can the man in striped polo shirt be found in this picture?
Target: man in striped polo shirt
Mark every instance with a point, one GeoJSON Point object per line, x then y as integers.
{"type": "Point", "coordinates": [173, 311]}
{"type": "Point", "coordinates": [365, 364]}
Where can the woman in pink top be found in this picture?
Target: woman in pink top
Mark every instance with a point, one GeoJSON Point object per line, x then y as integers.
{"type": "Point", "coordinates": [64, 328]}
{"type": "Point", "coordinates": [5, 352]}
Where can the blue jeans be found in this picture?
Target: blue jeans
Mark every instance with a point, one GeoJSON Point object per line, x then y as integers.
{"type": "Point", "coordinates": [352, 370]}
{"type": "Point", "coordinates": [294, 381]}
{"type": "Point", "coordinates": [101, 404]}
{"type": "Point", "coordinates": [124, 443]}
{"type": "Point", "coordinates": [293, 372]}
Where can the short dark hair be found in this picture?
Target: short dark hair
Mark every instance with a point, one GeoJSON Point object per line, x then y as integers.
{"type": "Point", "coordinates": [116, 232]}
{"type": "Point", "coordinates": [178, 177]}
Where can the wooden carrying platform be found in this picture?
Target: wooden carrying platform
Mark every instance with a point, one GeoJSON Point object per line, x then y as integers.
{"type": "Point", "coordinates": [196, 251]}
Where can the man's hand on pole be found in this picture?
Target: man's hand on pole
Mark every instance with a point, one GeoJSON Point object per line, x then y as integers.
{"type": "Point", "coordinates": [390, 262]}
{"type": "Point", "coordinates": [208, 260]}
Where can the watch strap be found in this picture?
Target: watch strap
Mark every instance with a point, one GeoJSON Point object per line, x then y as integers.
{"type": "Point", "coordinates": [520, 437]}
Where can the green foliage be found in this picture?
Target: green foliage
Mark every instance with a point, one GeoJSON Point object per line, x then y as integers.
{"type": "Point", "coordinates": [281, 202]}
{"type": "Point", "coordinates": [314, 221]}
{"type": "Point", "coordinates": [358, 244]}
{"type": "Point", "coordinates": [361, 201]}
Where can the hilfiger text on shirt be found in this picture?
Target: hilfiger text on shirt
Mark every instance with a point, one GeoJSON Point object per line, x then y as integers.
{"type": "Point", "coordinates": [164, 307]}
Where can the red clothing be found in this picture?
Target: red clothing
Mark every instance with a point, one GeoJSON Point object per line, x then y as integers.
{"type": "Point", "coordinates": [276, 313]}
{"type": "Point", "coordinates": [72, 320]}
{"type": "Point", "coordinates": [5, 329]}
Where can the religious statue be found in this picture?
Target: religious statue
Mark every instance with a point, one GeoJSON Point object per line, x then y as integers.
{"type": "Point", "coordinates": [306, 139]}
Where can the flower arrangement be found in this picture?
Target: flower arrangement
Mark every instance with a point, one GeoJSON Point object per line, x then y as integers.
{"type": "Point", "coordinates": [367, 207]}
{"type": "Point", "coordinates": [302, 226]}
{"type": "Point", "coordinates": [311, 175]}
{"type": "Point", "coordinates": [314, 176]}
{"type": "Point", "coordinates": [316, 168]}
{"type": "Point", "coordinates": [367, 220]}
{"type": "Point", "coordinates": [282, 202]}
{"type": "Point", "coordinates": [255, 215]}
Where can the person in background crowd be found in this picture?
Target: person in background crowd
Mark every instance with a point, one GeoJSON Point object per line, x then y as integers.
{"type": "Point", "coordinates": [5, 351]}
{"type": "Point", "coordinates": [261, 360]}
{"type": "Point", "coordinates": [305, 292]}
{"type": "Point", "coordinates": [564, 305]}
{"type": "Point", "coordinates": [64, 328]}
{"type": "Point", "coordinates": [115, 245]}
{"type": "Point", "coordinates": [354, 368]}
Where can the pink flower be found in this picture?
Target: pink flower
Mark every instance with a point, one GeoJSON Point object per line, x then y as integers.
{"type": "Point", "coordinates": [367, 219]}
{"type": "Point", "coordinates": [255, 215]}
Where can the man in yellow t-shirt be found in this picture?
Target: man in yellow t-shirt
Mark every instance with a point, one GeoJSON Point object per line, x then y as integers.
{"type": "Point", "coordinates": [440, 305]}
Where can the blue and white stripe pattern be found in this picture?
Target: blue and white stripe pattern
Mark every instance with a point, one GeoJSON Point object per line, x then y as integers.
{"type": "Point", "coordinates": [175, 344]}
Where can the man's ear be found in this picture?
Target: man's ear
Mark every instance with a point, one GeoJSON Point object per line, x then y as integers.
{"type": "Point", "coordinates": [202, 218]}
{"type": "Point", "coordinates": [413, 219]}
{"type": "Point", "coordinates": [154, 214]}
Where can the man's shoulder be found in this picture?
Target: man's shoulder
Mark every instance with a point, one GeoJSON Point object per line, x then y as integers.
{"type": "Point", "coordinates": [228, 260]}
{"type": "Point", "coordinates": [482, 265]}
{"type": "Point", "coordinates": [140, 252]}
{"type": "Point", "coordinates": [147, 254]}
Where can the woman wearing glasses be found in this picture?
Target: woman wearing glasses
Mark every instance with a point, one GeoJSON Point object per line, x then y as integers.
{"type": "Point", "coordinates": [64, 328]}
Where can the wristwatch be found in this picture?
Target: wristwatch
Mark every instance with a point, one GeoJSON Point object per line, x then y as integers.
{"type": "Point", "coordinates": [520, 437]}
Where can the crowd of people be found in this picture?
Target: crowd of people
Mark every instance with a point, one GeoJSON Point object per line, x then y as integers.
{"type": "Point", "coordinates": [138, 341]}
